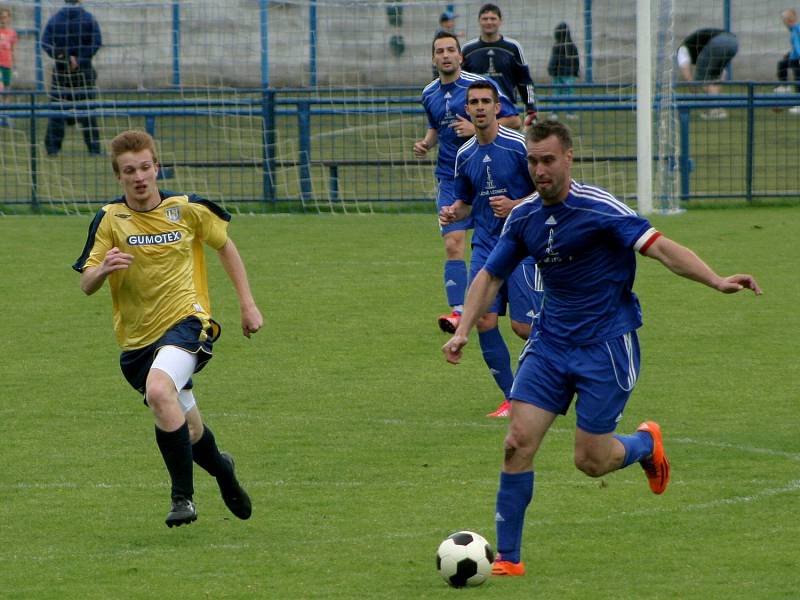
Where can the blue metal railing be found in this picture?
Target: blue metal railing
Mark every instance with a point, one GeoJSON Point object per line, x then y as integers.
{"type": "Point", "coordinates": [298, 103]}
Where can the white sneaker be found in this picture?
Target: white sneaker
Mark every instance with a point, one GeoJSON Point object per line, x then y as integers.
{"type": "Point", "coordinates": [572, 116]}
{"type": "Point", "coordinates": [783, 89]}
{"type": "Point", "coordinates": [552, 117]}
{"type": "Point", "coordinates": [795, 110]}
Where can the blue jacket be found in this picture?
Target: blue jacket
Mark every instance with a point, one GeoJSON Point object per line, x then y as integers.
{"type": "Point", "coordinates": [72, 31]}
{"type": "Point", "coordinates": [794, 38]}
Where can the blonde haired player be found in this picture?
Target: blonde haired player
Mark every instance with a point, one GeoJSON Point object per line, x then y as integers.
{"type": "Point", "coordinates": [148, 244]}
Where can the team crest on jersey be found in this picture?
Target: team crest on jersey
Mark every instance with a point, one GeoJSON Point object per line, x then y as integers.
{"type": "Point", "coordinates": [490, 188]}
{"type": "Point", "coordinates": [173, 213]}
{"type": "Point", "coordinates": [551, 238]}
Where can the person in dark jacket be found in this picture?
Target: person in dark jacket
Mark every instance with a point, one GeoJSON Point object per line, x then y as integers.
{"type": "Point", "coordinates": [71, 38]}
{"type": "Point", "coordinates": [564, 65]}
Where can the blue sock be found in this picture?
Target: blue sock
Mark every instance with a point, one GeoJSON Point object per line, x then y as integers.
{"type": "Point", "coordinates": [637, 446]}
{"type": "Point", "coordinates": [455, 281]}
{"type": "Point", "coordinates": [497, 358]}
{"type": "Point", "coordinates": [513, 496]}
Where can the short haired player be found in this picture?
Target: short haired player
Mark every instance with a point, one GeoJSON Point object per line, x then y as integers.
{"type": "Point", "coordinates": [491, 178]}
{"type": "Point", "coordinates": [148, 244]}
{"type": "Point", "coordinates": [584, 242]}
{"type": "Point", "coordinates": [444, 100]}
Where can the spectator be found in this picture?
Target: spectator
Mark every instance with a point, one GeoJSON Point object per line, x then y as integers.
{"type": "Point", "coordinates": [500, 58]}
{"type": "Point", "coordinates": [791, 59]}
{"type": "Point", "coordinates": [447, 22]}
{"type": "Point", "coordinates": [564, 65]}
{"type": "Point", "coordinates": [710, 51]}
{"type": "Point", "coordinates": [8, 40]}
{"type": "Point", "coordinates": [72, 38]}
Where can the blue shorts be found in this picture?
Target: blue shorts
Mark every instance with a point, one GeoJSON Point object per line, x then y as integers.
{"type": "Point", "coordinates": [187, 334]}
{"type": "Point", "coordinates": [444, 197]}
{"type": "Point", "coordinates": [602, 375]}
{"type": "Point", "coordinates": [519, 292]}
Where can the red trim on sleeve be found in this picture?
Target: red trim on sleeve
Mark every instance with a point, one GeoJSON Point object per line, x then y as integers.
{"type": "Point", "coordinates": [649, 242]}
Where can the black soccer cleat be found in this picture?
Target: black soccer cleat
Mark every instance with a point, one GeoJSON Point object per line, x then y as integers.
{"type": "Point", "coordinates": [183, 511]}
{"type": "Point", "coordinates": [234, 496]}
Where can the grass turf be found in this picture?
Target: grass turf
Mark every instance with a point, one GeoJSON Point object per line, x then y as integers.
{"type": "Point", "coordinates": [362, 448]}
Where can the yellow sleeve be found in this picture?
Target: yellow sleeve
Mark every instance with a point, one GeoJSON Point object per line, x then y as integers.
{"type": "Point", "coordinates": [211, 223]}
{"type": "Point", "coordinates": [98, 242]}
{"type": "Point", "coordinates": [102, 244]}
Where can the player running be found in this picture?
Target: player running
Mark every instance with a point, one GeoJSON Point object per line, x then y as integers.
{"type": "Point", "coordinates": [444, 100]}
{"type": "Point", "coordinates": [149, 245]}
{"type": "Point", "coordinates": [584, 242]}
{"type": "Point", "coordinates": [491, 178]}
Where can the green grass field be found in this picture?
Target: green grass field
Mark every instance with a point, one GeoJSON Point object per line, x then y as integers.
{"type": "Point", "coordinates": [363, 449]}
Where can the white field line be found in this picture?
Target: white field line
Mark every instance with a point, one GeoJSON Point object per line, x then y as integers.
{"type": "Point", "coordinates": [417, 119]}
{"type": "Point", "coordinates": [530, 522]}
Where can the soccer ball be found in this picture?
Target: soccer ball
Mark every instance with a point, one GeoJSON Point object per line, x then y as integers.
{"type": "Point", "coordinates": [464, 559]}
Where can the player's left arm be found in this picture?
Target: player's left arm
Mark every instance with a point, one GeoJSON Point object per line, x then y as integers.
{"type": "Point", "coordinates": [526, 92]}
{"type": "Point", "coordinates": [231, 261]}
{"type": "Point", "coordinates": [682, 261]}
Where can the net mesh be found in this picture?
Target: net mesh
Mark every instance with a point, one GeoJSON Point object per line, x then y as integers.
{"type": "Point", "coordinates": [335, 131]}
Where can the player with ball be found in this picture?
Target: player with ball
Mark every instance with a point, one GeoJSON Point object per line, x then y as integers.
{"type": "Point", "coordinates": [584, 342]}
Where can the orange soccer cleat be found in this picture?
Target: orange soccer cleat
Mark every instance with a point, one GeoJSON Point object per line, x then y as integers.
{"type": "Point", "coordinates": [657, 466]}
{"type": "Point", "coordinates": [448, 323]}
{"type": "Point", "coordinates": [504, 410]}
{"type": "Point", "coordinates": [508, 568]}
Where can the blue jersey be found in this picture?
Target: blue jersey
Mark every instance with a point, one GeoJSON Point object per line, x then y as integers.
{"type": "Point", "coordinates": [442, 103]}
{"type": "Point", "coordinates": [584, 248]}
{"type": "Point", "coordinates": [499, 168]}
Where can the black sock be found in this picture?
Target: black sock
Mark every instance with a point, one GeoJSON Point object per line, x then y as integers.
{"type": "Point", "coordinates": [206, 454]}
{"type": "Point", "coordinates": [176, 449]}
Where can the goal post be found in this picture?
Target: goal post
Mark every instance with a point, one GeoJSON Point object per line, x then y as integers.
{"type": "Point", "coordinates": [644, 108]}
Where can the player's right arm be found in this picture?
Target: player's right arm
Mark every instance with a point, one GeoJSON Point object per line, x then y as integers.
{"type": "Point", "coordinates": [457, 211]}
{"type": "Point", "coordinates": [92, 278]}
{"type": "Point", "coordinates": [482, 291]}
{"type": "Point", "coordinates": [422, 146]}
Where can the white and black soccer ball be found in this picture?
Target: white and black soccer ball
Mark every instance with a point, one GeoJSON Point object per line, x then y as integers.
{"type": "Point", "coordinates": [464, 559]}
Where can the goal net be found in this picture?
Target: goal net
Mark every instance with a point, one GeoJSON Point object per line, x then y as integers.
{"type": "Point", "coordinates": [313, 105]}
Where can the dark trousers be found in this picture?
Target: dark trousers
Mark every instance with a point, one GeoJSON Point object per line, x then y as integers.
{"type": "Point", "coordinates": [784, 65]}
{"type": "Point", "coordinates": [73, 87]}
{"type": "Point", "coordinates": [56, 127]}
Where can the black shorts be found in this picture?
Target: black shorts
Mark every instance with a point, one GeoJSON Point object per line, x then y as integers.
{"type": "Point", "coordinates": [187, 334]}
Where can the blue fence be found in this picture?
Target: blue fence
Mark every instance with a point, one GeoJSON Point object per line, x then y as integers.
{"type": "Point", "coordinates": [294, 149]}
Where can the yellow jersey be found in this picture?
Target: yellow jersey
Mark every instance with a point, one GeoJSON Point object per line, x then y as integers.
{"type": "Point", "coordinates": [167, 280]}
